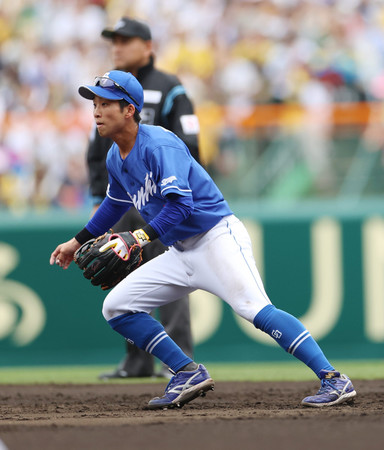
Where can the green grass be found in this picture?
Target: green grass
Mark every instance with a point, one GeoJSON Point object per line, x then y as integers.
{"type": "Point", "coordinates": [272, 371]}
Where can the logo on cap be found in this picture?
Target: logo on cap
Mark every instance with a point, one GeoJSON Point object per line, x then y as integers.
{"type": "Point", "coordinates": [120, 24]}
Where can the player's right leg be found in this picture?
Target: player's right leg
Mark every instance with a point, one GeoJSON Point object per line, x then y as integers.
{"type": "Point", "coordinates": [176, 320]}
{"type": "Point", "coordinates": [127, 308]}
{"type": "Point", "coordinates": [189, 381]}
{"type": "Point", "coordinates": [184, 386]}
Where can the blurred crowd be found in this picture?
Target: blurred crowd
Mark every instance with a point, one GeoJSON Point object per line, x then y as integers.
{"type": "Point", "coordinates": [230, 54]}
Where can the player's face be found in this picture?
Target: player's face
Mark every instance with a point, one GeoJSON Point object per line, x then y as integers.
{"type": "Point", "coordinates": [130, 53]}
{"type": "Point", "coordinates": [110, 120]}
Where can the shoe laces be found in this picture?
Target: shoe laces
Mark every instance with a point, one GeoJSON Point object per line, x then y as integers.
{"type": "Point", "coordinates": [172, 381]}
{"type": "Point", "coordinates": [328, 385]}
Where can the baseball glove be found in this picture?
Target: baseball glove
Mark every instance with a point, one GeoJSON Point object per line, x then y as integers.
{"type": "Point", "coordinates": [109, 258]}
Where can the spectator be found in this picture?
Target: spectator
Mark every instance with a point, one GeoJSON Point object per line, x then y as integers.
{"type": "Point", "coordinates": [287, 48]}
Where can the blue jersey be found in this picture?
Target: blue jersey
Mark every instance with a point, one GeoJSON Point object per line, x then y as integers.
{"type": "Point", "coordinates": [160, 164]}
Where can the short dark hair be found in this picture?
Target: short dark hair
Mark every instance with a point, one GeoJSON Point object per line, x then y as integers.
{"type": "Point", "coordinates": [136, 116]}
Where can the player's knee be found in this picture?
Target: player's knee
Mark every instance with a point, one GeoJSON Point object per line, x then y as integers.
{"type": "Point", "coordinates": [109, 310]}
{"type": "Point", "coordinates": [116, 304]}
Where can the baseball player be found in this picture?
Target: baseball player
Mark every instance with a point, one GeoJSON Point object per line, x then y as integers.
{"type": "Point", "coordinates": [167, 104]}
{"type": "Point", "coordinates": [209, 248]}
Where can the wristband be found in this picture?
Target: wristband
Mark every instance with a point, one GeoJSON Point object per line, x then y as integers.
{"type": "Point", "coordinates": [150, 232]}
{"type": "Point", "coordinates": [83, 236]}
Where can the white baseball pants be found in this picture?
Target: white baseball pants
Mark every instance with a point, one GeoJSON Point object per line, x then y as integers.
{"type": "Point", "coordinates": [219, 261]}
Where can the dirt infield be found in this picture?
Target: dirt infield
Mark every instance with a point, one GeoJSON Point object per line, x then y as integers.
{"type": "Point", "coordinates": [234, 416]}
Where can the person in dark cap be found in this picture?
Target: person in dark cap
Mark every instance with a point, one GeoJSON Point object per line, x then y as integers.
{"type": "Point", "coordinates": [166, 104]}
{"type": "Point", "coordinates": [128, 28]}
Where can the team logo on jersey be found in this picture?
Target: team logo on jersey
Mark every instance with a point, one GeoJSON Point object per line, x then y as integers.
{"type": "Point", "coordinates": [143, 194]}
{"type": "Point", "coordinates": [168, 180]}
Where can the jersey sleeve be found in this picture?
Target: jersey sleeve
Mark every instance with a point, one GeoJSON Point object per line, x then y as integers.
{"type": "Point", "coordinates": [106, 216]}
{"type": "Point", "coordinates": [176, 209]}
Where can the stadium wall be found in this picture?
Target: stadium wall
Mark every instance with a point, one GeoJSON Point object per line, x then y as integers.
{"type": "Point", "coordinates": [323, 262]}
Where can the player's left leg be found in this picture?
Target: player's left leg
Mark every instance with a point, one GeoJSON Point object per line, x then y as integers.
{"type": "Point", "coordinates": [230, 272]}
{"type": "Point", "coordinates": [291, 334]}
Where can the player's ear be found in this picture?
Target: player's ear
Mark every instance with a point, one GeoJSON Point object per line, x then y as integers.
{"type": "Point", "coordinates": [130, 111]}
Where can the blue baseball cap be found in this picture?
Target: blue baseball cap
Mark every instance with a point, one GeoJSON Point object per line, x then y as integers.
{"type": "Point", "coordinates": [115, 85]}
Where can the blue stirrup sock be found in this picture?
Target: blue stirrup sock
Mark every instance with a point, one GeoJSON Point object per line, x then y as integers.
{"type": "Point", "coordinates": [293, 337]}
{"type": "Point", "coordinates": [148, 334]}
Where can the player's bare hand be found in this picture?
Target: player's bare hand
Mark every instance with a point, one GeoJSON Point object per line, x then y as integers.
{"type": "Point", "coordinates": [63, 254]}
